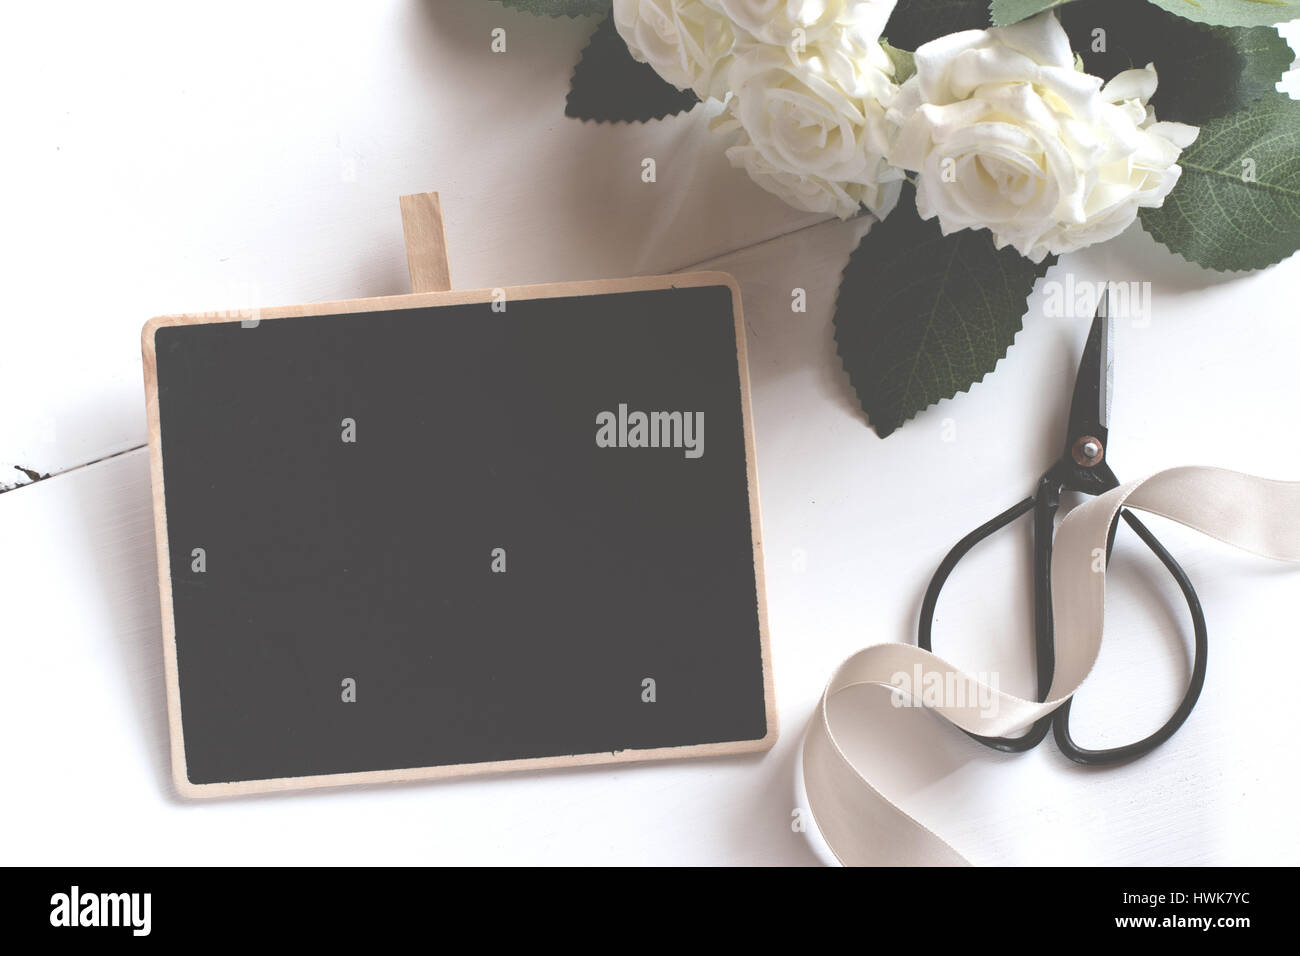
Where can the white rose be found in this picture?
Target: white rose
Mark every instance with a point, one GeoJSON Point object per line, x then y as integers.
{"type": "Point", "coordinates": [801, 23]}
{"type": "Point", "coordinates": [814, 193]}
{"type": "Point", "coordinates": [812, 126]}
{"type": "Point", "coordinates": [1006, 134]}
{"type": "Point", "coordinates": [687, 42]}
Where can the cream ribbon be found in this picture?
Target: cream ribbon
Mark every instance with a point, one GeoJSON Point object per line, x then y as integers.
{"type": "Point", "coordinates": [862, 826]}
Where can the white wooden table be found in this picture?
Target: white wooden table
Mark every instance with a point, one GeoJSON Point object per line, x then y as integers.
{"type": "Point", "coordinates": [167, 157]}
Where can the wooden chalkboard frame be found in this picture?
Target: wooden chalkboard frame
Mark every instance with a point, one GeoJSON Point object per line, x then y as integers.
{"type": "Point", "coordinates": [418, 300]}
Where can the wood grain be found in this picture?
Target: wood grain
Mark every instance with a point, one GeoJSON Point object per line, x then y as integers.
{"type": "Point", "coordinates": [426, 242]}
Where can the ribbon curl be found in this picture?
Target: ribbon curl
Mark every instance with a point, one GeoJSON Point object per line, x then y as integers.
{"type": "Point", "coordinates": [863, 827]}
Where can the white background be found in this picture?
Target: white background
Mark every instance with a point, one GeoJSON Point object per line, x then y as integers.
{"type": "Point", "coordinates": [165, 157]}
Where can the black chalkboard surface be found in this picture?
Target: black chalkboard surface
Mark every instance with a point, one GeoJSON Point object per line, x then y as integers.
{"type": "Point", "coordinates": [458, 532]}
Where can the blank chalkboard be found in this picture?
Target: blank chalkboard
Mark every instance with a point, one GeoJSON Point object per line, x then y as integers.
{"type": "Point", "coordinates": [458, 532]}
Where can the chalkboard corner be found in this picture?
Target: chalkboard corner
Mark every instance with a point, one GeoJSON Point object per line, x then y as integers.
{"type": "Point", "coordinates": [717, 278]}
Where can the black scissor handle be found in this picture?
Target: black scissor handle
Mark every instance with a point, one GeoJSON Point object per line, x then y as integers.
{"type": "Point", "coordinates": [1113, 755]}
{"type": "Point", "coordinates": [1044, 504]}
{"type": "Point", "coordinates": [1046, 662]}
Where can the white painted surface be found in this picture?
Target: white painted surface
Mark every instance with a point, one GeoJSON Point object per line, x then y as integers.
{"type": "Point", "coordinates": [192, 157]}
{"type": "Point", "coordinates": [174, 160]}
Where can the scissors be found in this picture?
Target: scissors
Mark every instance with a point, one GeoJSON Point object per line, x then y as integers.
{"type": "Point", "coordinates": [1081, 468]}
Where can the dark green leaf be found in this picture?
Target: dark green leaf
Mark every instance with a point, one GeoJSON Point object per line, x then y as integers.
{"type": "Point", "coordinates": [1234, 13]}
{"type": "Point", "coordinates": [1006, 12]}
{"type": "Point", "coordinates": [1237, 205]}
{"type": "Point", "coordinates": [559, 8]}
{"type": "Point", "coordinates": [921, 316]}
{"type": "Point", "coordinates": [1204, 71]}
{"type": "Point", "coordinates": [610, 87]}
{"type": "Point", "coordinates": [914, 22]}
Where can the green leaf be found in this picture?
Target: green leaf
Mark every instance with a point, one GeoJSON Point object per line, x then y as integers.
{"type": "Point", "coordinates": [610, 87]}
{"type": "Point", "coordinates": [1237, 205]}
{"type": "Point", "coordinates": [904, 62]}
{"type": "Point", "coordinates": [921, 316]}
{"type": "Point", "coordinates": [914, 22]}
{"type": "Point", "coordinates": [1204, 71]}
{"type": "Point", "coordinates": [1007, 12]}
{"type": "Point", "coordinates": [559, 8]}
{"type": "Point", "coordinates": [1234, 13]}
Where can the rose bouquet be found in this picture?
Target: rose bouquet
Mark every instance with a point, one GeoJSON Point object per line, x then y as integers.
{"type": "Point", "coordinates": [987, 138]}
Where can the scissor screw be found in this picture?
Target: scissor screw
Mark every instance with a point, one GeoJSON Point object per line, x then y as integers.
{"type": "Point", "coordinates": [1088, 451]}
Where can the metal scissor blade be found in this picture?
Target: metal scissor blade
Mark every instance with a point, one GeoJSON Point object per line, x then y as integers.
{"type": "Point", "coordinates": [1090, 407]}
{"type": "Point", "coordinates": [1108, 357]}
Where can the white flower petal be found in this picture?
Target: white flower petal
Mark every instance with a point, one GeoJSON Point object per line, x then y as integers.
{"type": "Point", "coordinates": [1005, 134]}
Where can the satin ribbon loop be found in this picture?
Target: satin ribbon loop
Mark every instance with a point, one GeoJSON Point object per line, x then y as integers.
{"type": "Point", "coordinates": [864, 827]}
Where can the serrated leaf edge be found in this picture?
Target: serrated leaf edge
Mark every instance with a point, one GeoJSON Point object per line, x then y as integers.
{"type": "Point", "coordinates": [1211, 28]}
{"type": "Point", "coordinates": [568, 97]}
{"type": "Point", "coordinates": [1227, 26]}
{"type": "Point", "coordinates": [1200, 265]}
{"type": "Point", "coordinates": [857, 393]}
{"type": "Point", "coordinates": [1142, 218]}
